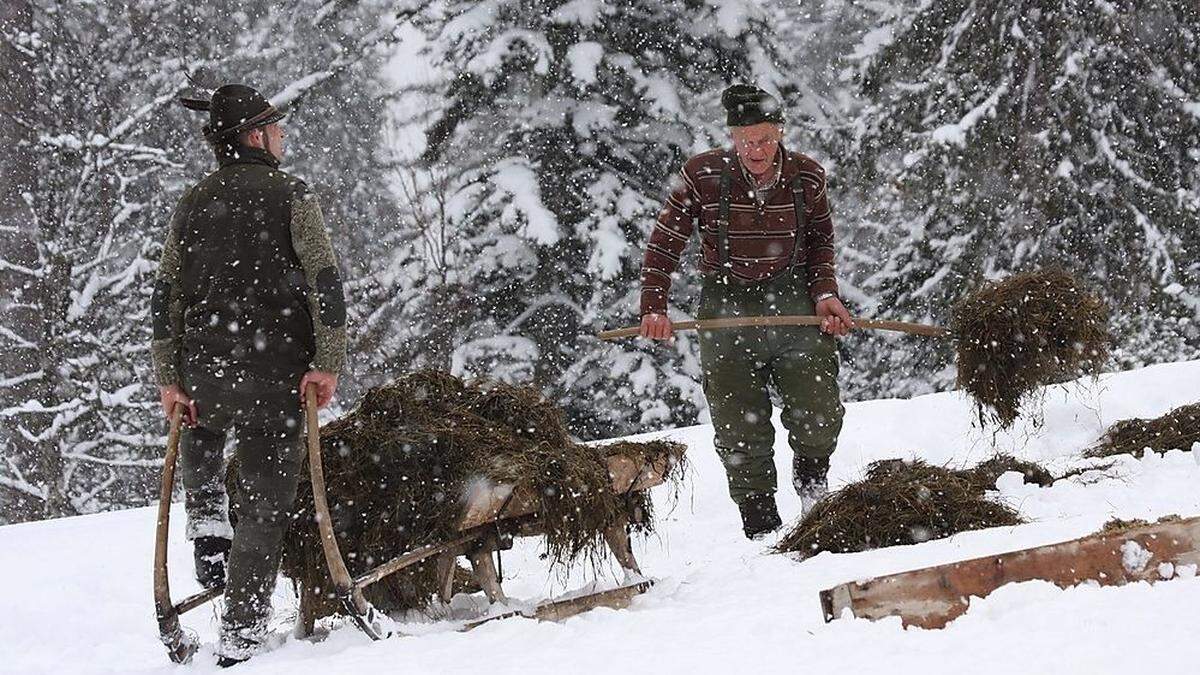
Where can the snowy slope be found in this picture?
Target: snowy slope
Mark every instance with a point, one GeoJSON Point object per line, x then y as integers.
{"type": "Point", "coordinates": [78, 595]}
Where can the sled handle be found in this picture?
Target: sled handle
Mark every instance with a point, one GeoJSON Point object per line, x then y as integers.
{"type": "Point", "coordinates": [360, 609]}
{"type": "Point", "coordinates": [786, 320]}
{"type": "Point", "coordinates": [180, 648]}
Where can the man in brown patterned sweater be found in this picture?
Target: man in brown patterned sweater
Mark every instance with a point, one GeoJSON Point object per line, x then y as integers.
{"type": "Point", "coordinates": [766, 244]}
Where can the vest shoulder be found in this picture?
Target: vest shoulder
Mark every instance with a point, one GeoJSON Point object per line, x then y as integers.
{"type": "Point", "coordinates": [254, 176]}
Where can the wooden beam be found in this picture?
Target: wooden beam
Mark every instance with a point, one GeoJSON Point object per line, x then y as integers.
{"type": "Point", "coordinates": [558, 610]}
{"type": "Point", "coordinates": [486, 575]}
{"type": "Point", "coordinates": [487, 503]}
{"type": "Point", "coordinates": [934, 596]}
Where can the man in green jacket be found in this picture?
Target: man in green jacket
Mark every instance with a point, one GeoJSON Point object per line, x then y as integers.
{"type": "Point", "coordinates": [248, 311]}
{"type": "Point", "coordinates": [766, 244]}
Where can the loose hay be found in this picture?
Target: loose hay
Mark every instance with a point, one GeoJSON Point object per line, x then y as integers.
{"type": "Point", "coordinates": [1177, 430]}
{"type": "Point", "coordinates": [398, 467]}
{"type": "Point", "coordinates": [901, 502]}
{"type": "Point", "coordinates": [1023, 333]}
{"type": "Point", "coordinates": [985, 474]}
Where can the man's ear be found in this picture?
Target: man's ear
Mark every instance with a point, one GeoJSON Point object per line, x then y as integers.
{"type": "Point", "coordinates": [254, 138]}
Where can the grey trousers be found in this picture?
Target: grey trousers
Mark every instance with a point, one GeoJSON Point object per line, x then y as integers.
{"type": "Point", "coordinates": [266, 426]}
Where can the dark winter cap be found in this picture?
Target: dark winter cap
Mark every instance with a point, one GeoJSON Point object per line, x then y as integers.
{"type": "Point", "coordinates": [234, 108]}
{"type": "Point", "coordinates": [747, 105]}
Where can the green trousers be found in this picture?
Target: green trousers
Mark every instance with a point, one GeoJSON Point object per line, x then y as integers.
{"type": "Point", "coordinates": [266, 423]}
{"type": "Point", "coordinates": [740, 364]}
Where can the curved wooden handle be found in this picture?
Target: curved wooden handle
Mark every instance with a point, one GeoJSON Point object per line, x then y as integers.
{"type": "Point", "coordinates": [338, 572]}
{"type": "Point", "coordinates": [361, 610]}
{"type": "Point", "coordinates": [179, 647]}
{"type": "Point", "coordinates": [786, 320]}
{"type": "Point", "coordinates": [162, 585]}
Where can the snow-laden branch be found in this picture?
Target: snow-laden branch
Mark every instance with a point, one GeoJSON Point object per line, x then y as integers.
{"type": "Point", "coordinates": [546, 300]}
{"type": "Point", "coordinates": [18, 341]}
{"type": "Point", "coordinates": [956, 134]}
{"type": "Point", "coordinates": [384, 33]}
{"type": "Point", "coordinates": [21, 379]}
{"type": "Point", "coordinates": [36, 408]}
{"type": "Point", "coordinates": [91, 459]}
{"type": "Point", "coordinates": [23, 487]}
{"type": "Point", "coordinates": [140, 114]}
{"type": "Point", "coordinates": [1123, 167]}
{"type": "Point", "coordinates": [80, 503]}
{"type": "Point", "coordinates": [7, 266]}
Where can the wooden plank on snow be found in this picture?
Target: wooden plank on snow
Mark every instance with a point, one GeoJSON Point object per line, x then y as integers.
{"type": "Point", "coordinates": [934, 596]}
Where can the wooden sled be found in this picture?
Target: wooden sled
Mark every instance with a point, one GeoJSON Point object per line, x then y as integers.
{"type": "Point", "coordinates": [934, 596]}
{"type": "Point", "coordinates": [493, 517]}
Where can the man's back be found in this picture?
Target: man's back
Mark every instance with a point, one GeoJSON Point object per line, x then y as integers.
{"type": "Point", "coordinates": [244, 298]}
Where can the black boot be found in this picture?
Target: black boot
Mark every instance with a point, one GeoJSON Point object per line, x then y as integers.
{"type": "Point", "coordinates": [210, 554]}
{"type": "Point", "coordinates": [759, 515]}
{"type": "Point", "coordinates": [807, 471]}
{"type": "Point", "coordinates": [809, 479]}
{"type": "Point", "coordinates": [229, 661]}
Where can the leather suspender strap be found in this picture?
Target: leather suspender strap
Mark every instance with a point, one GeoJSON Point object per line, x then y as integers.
{"type": "Point", "coordinates": [723, 214]}
{"type": "Point", "coordinates": [801, 218]}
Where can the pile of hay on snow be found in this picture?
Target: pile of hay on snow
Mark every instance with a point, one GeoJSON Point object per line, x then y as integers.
{"type": "Point", "coordinates": [1023, 333]}
{"type": "Point", "coordinates": [397, 469]}
{"type": "Point", "coordinates": [1177, 430]}
{"type": "Point", "coordinates": [907, 502]}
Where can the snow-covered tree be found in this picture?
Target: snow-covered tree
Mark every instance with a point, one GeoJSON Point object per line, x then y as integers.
{"type": "Point", "coordinates": [560, 125]}
{"type": "Point", "coordinates": [1002, 135]}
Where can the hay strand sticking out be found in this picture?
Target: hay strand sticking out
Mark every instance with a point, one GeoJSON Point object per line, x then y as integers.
{"type": "Point", "coordinates": [1023, 333]}
{"type": "Point", "coordinates": [897, 502]}
{"type": "Point", "coordinates": [1177, 430]}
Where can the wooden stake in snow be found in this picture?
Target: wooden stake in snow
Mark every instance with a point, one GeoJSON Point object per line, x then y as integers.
{"type": "Point", "coordinates": [934, 596]}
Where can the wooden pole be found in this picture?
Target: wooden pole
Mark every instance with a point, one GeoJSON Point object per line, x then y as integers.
{"type": "Point", "coordinates": [787, 320]}
{"type": "Point", "coordinates": [357, 605]}
{"type": "Point", "coordinates": [179, 648]}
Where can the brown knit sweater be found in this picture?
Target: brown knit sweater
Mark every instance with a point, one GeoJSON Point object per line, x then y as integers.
{"type": "Point", "coordinates": [761, 237]}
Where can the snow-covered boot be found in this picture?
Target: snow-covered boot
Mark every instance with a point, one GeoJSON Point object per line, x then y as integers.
{"type": "Point", "coordinates": [811, 494]}
{"type": "Point", "coordinates": [809, 479]}
{"type": "Point", "coordinates": [239, 644]}
{"type": "Point", "coordinates": [210, 554]}
{"type": "Point", "coordinates": [760, 516]}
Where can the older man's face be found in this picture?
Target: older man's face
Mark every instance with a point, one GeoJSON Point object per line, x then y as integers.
{"type": "Point", "coordinates": [757, 144]}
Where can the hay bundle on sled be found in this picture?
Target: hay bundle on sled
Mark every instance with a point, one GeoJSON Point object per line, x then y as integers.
{"type": "Point", "coordinates": [1025, 332]}
{"type": "Point", "coordinates": [1176, 430]}
{"type": "Point", "coordinates": [402, 466]}
{"type": "Point", "coordinates": [907, 502]}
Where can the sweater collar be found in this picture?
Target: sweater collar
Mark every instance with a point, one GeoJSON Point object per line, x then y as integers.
{"type": "Point", "coordinates": [783, 167]}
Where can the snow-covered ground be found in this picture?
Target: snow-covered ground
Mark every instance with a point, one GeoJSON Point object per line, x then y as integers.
{"type": "Point", "coordinates": [78, 594]}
